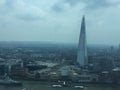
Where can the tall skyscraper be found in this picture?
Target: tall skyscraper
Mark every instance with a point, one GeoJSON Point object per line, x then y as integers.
{"type": "Point", "coordinates": [82, 59]}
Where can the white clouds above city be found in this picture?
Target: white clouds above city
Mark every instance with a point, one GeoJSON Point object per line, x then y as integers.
{"type": "Point", "coordinates": [59, 20]}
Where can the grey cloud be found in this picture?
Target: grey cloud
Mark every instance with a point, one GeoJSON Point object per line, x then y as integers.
{"type": "Point", "coordinates": [28, 17]}
{"type": "Point", "coordinates": [27, 12]}
{"type": "Point", "coordinates": [90, 4]}
{"type": "Point", "coordinates": [93, 4]}
{"type": "Point", "coordinates": [72, 2]}
{"type": "Point", "coordinates": [96, 4]}
{"type": "Point", "coordinates": [57, 8]}
{"type": "Point", "coordinates": [8, 3]}
{"type": "Point", "coordinates": [4, 7]}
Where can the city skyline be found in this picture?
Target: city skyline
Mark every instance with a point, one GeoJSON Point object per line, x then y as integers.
{"type": "Point", "coordinates": [28, 20]}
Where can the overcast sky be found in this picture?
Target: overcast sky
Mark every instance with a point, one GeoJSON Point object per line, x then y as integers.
{"type": "Point", "coordinates": [60, 20]}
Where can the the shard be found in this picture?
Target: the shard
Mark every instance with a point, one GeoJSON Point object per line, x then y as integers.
{"type": "Point", "coordinates": [82, 59]}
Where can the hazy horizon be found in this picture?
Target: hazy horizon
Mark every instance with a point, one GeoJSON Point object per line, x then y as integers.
{"type": "Point", "coordinates": [54, 43]}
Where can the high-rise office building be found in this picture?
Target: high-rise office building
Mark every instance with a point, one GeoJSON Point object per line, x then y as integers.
{"type": "Point", "coordinates": [82, 59]}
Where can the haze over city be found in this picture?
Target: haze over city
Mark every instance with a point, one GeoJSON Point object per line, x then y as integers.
{"type": "Point", "coordinates": [59, 20]}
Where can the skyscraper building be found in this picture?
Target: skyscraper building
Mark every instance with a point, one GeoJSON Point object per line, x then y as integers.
{"type": "Point", "coordinates": [82, 59]}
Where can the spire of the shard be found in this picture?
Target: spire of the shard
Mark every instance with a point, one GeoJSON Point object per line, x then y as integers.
{"type": "Point", "coordinates": [82, 46]}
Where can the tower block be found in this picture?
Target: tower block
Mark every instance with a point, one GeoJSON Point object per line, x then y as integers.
{"type": "Point", "coordinates": [82, 58]}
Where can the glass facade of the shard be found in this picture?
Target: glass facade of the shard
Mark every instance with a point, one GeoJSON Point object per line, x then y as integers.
{"type": "Point", "coordinates": [82, 46]}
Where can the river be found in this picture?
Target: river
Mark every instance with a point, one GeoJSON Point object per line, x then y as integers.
{"type": "Point", "coordinates": [37, 85]}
